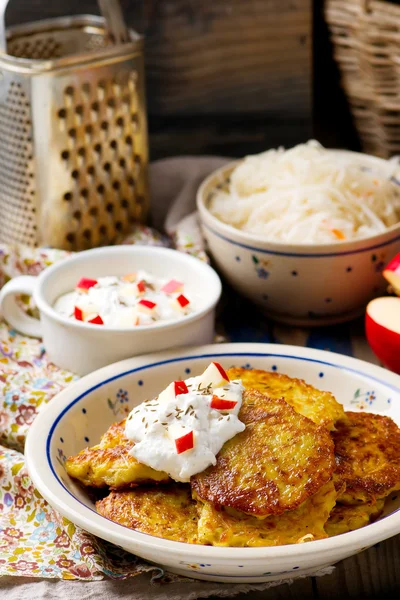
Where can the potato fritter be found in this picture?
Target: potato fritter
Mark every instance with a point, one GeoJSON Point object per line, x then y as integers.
{"type": "Point", "coordinates": [348, 518]}
{"type": "Point", "coordinates": [367, 452]}
{"type": "Point", "coordinates": [167, 512]}
{"type": "Point", "coordinates": [110, 464]}
{"type": "Point", "coordinates": [274, 465]}
{"type": "Point", "coordinates": [225, 528]}
{"type": "Point", "coordinates": [320, 407]}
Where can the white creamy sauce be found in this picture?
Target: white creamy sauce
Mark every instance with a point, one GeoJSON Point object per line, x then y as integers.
{"type": "Point", "coordinates": [117, 302]}
{"type": "Point", "coordinates": [156, 424]}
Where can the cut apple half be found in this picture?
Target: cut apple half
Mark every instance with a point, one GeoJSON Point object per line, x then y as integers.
{"type": "Point", "coordinates": [382, 328]}
{"type": "Point", "coordinates": [392, 274]}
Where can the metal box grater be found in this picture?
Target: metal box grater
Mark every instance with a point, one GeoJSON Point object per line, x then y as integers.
{"type": "Point", "coordinates": [73, 135]}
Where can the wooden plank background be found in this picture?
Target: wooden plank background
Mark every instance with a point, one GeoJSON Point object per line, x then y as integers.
{"type": "Point", "coordinates": [223, 76]}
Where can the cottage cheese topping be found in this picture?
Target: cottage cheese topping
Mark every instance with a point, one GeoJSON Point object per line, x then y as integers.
{"type": "Point", "coordinates": [183, 429]}
{"type": "Point", "coordinates": [134, 299]}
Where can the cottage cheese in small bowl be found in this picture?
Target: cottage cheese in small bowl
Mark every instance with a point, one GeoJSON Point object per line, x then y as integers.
{"type": "Point", "coordinates": [131, 300]}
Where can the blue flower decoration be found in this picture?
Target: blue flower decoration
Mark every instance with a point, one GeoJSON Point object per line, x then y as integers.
{"type": "Point", "coordinates": [44, 534]}
{"type": "Point", "coordinates": [262, 273]}
{"type": "Point", "coordinates": [122, 396]}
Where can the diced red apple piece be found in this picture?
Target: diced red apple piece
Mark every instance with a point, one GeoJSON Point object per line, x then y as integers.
{"type": "Point", "coordinates": [141, 286]}
{"type": "Point", "coordinates": [172, 287]}
{"type": "Point", "coordinates": [182, 301]}
{"type": "Point", "coordinates": [146, 306]}
{"type": "Point", "coordinates": [184, 443]}
{"type": "Point", "coordinates": [392, 273]}
{"type": "Point", "coordinates": [382, 327]}
{"type": "Point", "coordinates": [129, 277]}
{"type": "Point", "coordinates": [222, 404]}
{"type": "Point", "coordinates": [78, 313]}
{"type": "Point", "coordinates": [214, 375]}
{"type": "Point", "coordinates": [85, 284]}
{"type": "Point", "coordinates": [97, 320]}
{"type": "Point", "coordinates": [172, 391]}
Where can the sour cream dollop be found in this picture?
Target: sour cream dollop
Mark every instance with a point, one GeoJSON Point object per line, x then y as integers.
{"type": "Point", "coordinates": [134, 299]}
{"type": "Point", "coordinates": [182, 430]}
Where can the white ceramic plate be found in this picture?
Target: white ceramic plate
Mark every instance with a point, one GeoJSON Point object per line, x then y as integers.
{"type": "Point", "coordinates": [78, 416]}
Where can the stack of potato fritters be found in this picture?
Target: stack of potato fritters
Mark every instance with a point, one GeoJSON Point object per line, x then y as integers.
{"type": "Point", "coordinates": [302, 470]}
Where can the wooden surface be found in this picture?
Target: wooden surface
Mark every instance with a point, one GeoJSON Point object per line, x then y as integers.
{"type": "Point", "coordinates": [223, 76]}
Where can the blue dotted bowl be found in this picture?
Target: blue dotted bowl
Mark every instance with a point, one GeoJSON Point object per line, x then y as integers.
{"type": "Point", "coordinates": [79, 415]}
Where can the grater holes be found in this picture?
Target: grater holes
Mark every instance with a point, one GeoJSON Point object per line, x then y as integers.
{"type": "Point", "coordinates": [93, 211]}
{"type": "Point", "coordinates": [86, 88]}
{"type": "Point", "coordinates": [87, 234]}
{"type": "Point", "coordinates": [85, 193]}
{"type": "Point", "coordinates": [119, 226]}
{"type": "Point", "coordinates": [128, 140]}
{"type": "Point", "coordinates": [100, 189]}
{"type": "Point", "coordinates": [77, 215]}
{"type": "Point", "coordinates": [70, 237]}
{"type": "Point", "coordinates": [89, 129]}
{"type": "Point", "coordinates": [67, 196]}
{"type": "Point", "coordinates": [116, 185]}
{"type": "Point", "coordinates": [82, 151]}
{"type": "Point", "coordinates": [120, 122]}
{"type": "Point", "coordinates": [122, 163]}
{"type": "Point", "coordinates": [104, 125]}
{"type": "Point", "coordinates": [111, 103]}
{"type": "Point", "coordinates": [91, 170]}
{"type": "Point", "coordinates": [107, 167]}
{"type": "Point", "coordinates": [113, 144]}
{"type": "Point", "coordinates": [79, 109]}
{"type": "Point", "coordinates": [130, 181]}
{"type": "Point", "coordinates": [125, 203]}
{"type": "Point", "coordinates": [75, 174]}
{"type": "Point", "coordinates": [110, 207]}
{"type": "Point", "coordinates": [97, 148]}
{"type": "Point", "coordinates": [72, 133]}
{"type": "Point", "coordinates": [103, 230]}
{"type": "Point", "coordinates": [62, 113]}
{"type": "Point", "coordinates": [69, 91]}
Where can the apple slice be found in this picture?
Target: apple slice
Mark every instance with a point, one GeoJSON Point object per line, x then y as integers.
{"type": "Point", "coordinates": [85, 284]}
{"type": "Point", "coordinates": [97, 320]}
{"type": "Point", "coordinates": [147, 306]}
{"type": "Point", "coordinates": [184, 440]}
{"type": "Point", "coordinates": [129, 277]}
{"type": "Point", "coordinates": [172, 287]}
{"type": "Point", "coordinates": [392, 274]}
{"type": "Point", "coordinates": [78, 313]}
{"type": "Point", "coordinates": [382, 328]}
{"type": "Point", "coordinates": [173, 390]}
{"type": "Point", "coordinates": [214, 376]}
{"type": "Point", "coordinates": [221, 404]}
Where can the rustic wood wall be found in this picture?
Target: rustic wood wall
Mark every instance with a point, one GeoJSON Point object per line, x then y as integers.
{"type": "Point", "coordinates": [223, 76]}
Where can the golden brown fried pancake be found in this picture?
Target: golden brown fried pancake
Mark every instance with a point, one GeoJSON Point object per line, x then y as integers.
{"type": "Point", "coordinates": [110, 464]}
{"type": "Point", "coordinates": [348, 518]}
{"type": "Point", "coordinates": [367, 449]}
{"type": "Point", "coordinates": [167, 512]}
{"type": "Point", "coordinates": [275, 464]}
{"type": "Point", "coordinates": [320, 407]}
{"type": "Point", "coordinates": [306, 523]}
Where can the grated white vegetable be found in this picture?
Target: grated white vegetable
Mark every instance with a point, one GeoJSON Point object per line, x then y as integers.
{"type": "Point", "coordinates": [308, 195]}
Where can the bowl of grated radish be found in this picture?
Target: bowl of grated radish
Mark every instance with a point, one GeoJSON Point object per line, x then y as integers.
{"type": "Point", "coordinates": [304, 233]}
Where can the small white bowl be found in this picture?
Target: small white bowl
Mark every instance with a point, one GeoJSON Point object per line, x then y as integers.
{"type": "Point", "coordinates": [83, 347]}
{"type": "Point", "coordinates": [79, 415]}
{"type": "Point", "coordinates": [299, 284]}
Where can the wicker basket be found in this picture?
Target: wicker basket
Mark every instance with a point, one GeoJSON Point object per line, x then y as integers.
{"type": "Point", "coordinates": [366, 39]}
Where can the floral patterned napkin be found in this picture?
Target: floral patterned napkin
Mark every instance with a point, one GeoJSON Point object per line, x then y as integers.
{"type": "Point", "coordinates": [35, 541]}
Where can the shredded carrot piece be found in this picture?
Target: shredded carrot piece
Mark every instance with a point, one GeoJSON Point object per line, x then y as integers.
{"type": "Point", "coordinates": [339, 234]}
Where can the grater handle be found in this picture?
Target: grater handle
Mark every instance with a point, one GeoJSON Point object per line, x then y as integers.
{"type": "Point", "coordinates": [116, 26]}
{"type": "Point", "coordinates": [3, 38]}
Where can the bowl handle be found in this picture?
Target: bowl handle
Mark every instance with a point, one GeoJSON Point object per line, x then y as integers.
{"type": "Point", "coordinates": [12, 312]}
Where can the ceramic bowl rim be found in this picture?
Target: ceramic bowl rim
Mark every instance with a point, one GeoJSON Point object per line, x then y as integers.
{"type": "Point", "coordinates": [58, 496]}
{"type": "Point", "coordinates": [245, 239]}
{"type": "Point", "coordinates": [203, 268]}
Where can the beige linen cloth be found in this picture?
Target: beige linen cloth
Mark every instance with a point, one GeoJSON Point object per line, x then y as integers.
{"type": "Point", "coordinates": [173, 189]}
